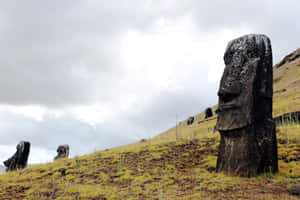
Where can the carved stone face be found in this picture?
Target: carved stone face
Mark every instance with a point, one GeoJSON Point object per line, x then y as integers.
{"type": "Point", "coordinates": [22, 146]}
{"type": "Point", "coordinates": [63, 150]}
{"type": "Point", "coordinates": [239, 82]}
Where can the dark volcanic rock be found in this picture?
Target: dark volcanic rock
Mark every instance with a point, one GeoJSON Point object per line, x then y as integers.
{"type": "Point", "coordinates": [19, 159]}
{"type": "Point", "coordinates": [208, 113]}
{"type": "Point", "coordinates": [295, 190]}
{"type": "Point", "coordinates": [63, 171]}
{"type": "Point", "coordinates": [292, 117]}
{"type": "Point", "coordinates": [62, 151]}
{"type": "Point", "coordinates": [190, 120]}
{"type": "Point", "coordinates": [248, 141]}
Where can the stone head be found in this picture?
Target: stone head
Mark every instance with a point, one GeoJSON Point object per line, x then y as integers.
{"type": "Point", "coordinates": [245, 81]}
{"type": "Point", "coordinates": [23, 146]}
{"type": "Point", "coordinates": [63, 149]}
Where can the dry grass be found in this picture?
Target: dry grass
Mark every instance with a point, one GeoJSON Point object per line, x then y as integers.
{"type": "Point", "coordinates": [181, 169]}
{"type": "Point", "coordinates": [287, 92]}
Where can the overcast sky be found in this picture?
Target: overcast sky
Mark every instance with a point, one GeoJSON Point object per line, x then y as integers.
{"type": "Point", "coordinates": [98, 74]}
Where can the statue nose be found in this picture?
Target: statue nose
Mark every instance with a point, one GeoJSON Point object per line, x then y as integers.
{"type": "Point", "coordinates": [228, 91]}
{"type": "Point", "coordinates": [227, 95]}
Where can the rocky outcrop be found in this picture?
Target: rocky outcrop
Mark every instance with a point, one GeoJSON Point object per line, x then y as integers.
{"type": "Point", "coordinates": [292, 117]}
{"type": "Point", "coordinates": [62, 151]}
{"type": "Point", "coordinates": [20, 158]}
{"type": "Point", "coordinates": [248, 141]}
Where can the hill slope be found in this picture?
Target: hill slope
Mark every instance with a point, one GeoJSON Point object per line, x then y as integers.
{"type": "Point", "coordinates": [177, 164]}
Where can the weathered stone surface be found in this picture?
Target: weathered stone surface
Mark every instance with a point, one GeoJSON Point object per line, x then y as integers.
{"type": "Point", "coordinates": [62, 151]}
{"type": "Point", "coordinates": [208, 113]}
{"type": "Point", "coordinates": [248, 141]}
{"type": "Point", "coordinates": [20, 158]}
{"type": "Point", "coordinates": [190, 120]}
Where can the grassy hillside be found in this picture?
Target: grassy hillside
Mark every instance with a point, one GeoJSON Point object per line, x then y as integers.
{"type": "Point", "coordinates": [287, 85]}
{"type": "Point", "coordinates": [176, 164]}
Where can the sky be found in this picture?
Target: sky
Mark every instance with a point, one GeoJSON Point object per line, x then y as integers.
{"type": "Point", "coordinates": [97, 74]}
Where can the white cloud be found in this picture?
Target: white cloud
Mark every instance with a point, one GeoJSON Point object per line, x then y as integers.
{"type": "Point", "coordinates": [168, 55]}
{"type": "Point", "coordinates": [5, 152]}
{"type": "Point", "coordinates": [41, 155]}
{"type": "Point", "coordinates": [31, 111]}
{"type": "Point", "coordinates": [93, 114]}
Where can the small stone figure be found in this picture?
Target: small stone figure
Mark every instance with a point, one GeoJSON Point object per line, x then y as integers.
{"type": "Point", "coordinates": [248, 143]}
{"type": "Point", "coordinates": [208, 113]}
{"type": "Point", "coordinates": [190, 120]}
{"type": "Point", "coordinates": [62, 151]}
{"type": "Point", "coordinates": [20, 158]}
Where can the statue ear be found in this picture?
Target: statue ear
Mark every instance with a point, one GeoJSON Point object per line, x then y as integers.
{"type": "Point", "coordinates": [265, 90]}
{"type": "Point", "coordinates": [253, 65]}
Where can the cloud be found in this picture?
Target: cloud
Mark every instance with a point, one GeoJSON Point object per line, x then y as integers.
{"type": "Point", "coordinates": [277, 19]}
{"type": "Point", "coordinates": [67, 53]}
{"type": "Point", "coordinates": [59, 54]}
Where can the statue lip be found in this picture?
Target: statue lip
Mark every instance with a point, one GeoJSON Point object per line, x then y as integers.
{"type": "Point", "coordinates": [225, 106]}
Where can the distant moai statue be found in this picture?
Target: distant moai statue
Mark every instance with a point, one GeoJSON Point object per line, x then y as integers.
{"type": "Point", "coordinates": [248, 143]}
{"type": "Point", "coordinates": [20, 158]}
{"type": "Point", "coordinates": [190, 120]}
{"type": "Point", "coordinates": [62, 151]}
{"type": "Point", "coordinates": [208, 113]}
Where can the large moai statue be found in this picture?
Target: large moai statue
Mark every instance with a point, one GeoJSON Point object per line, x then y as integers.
{"type": "Point", "coordinates": [62, 151]}
{"type": "Point", "coordinates": [20, 158]}
{"type": "Point", "coordinates": [248, 140]}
